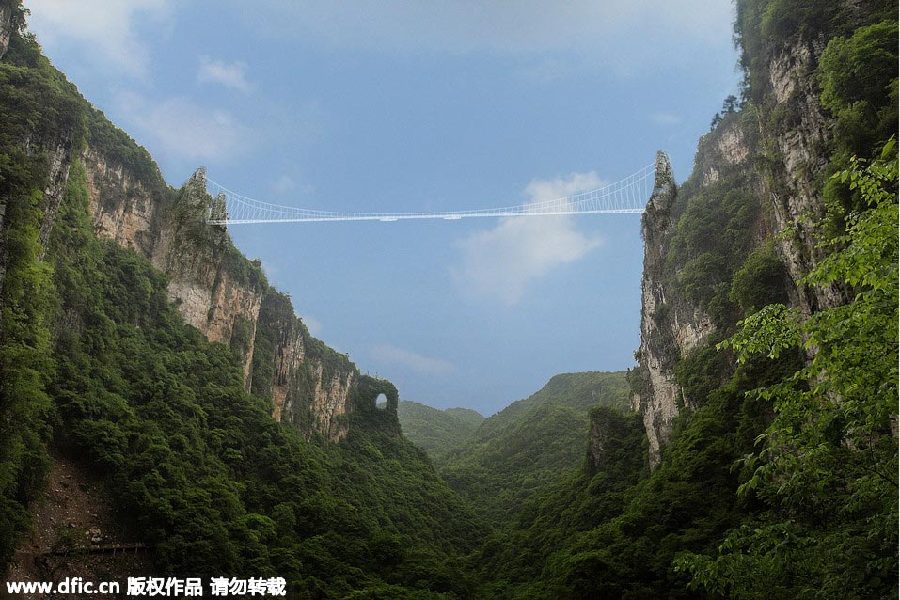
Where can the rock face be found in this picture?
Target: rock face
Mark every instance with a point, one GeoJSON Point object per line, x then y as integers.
{"type": "Point", "coordinates": [671, 324]}
{"type": "Point", "coordinates": [310, 384]}
{"type": "Point", "coordinates": [216, 289]}
{"type": "Point", "coordinates": [203, 283]}
{"type": "Point", "coordinates": [122, 207]}
{"type": "Point", "coordinates": [669, 327]}
{"type": "Point", "coordinates": [788, 125]}
{"type": "Point", "coordinates": [225, 296]}
{"type": "Point", "coordinates": [6, 27]}
{"type": "Point", "coordinates": [801, 142]}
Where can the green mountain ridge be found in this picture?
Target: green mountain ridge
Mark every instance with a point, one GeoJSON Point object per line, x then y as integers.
{"type": "Point", "coordinates": [528, 444]}
{"type": "Point", "coordinates": [435, 431]}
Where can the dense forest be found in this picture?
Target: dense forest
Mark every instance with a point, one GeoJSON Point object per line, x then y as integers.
{"type": "Point", "coordinates": [778, 478]}
{"type": "Point", "coordinates": [526, 446]}
{"type": "Point", "coordinates": [437, 432]}
{"type": "Point", "coordinates": [780, 481]}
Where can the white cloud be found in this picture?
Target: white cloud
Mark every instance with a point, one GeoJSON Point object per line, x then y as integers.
{"type": "Point", "coordinates": [500, 263]}
{"type": "Point", "coordinates": [233, 75]}
{"type": "Point", "coordinates": [181, 128]}
{"type": "Point", "coordinates": [106, 27]}
{"type": "Point", "coordinates": [388, 354]}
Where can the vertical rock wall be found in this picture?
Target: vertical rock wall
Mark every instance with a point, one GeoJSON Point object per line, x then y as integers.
{"type": "Point", "coordinates": [672, 325]}
{"type": "Point", "coordinates": [215, 288]}
{"type": "Point", "coordinates": [6, 27]}
{"type": "Point", "coordinates": [310, 384]}
{"type": "Point", "coordinates": [792, 130]}
{"type": "Point", "coordinates": [801, 143]}
{"type": "Point", "coordinates": [669, 327]}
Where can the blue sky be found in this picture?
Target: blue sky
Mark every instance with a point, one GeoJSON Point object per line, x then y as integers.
{"type": "Point", "coordinates": [368, 105]}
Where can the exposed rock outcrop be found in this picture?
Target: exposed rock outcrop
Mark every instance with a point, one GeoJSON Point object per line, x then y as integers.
{"type": "Point", "coordinates": [800, 135]}
{"type": "Point", "coordinates": [310, 384]}
{"type": "Point", "coordinates": [6, 27]}
{"type": "Point", "coordinates": [215, 288]}
{"type": "Point", "coordinates": [669, 327]}
{"type": "Point", "coordinates": [122, 207]}
{"type": "Point", "coordinates": [210, 292]}
{"type": "Point", "coordinates": [673, 325]}
{"type": "Point", "coordinates": [779, 145]}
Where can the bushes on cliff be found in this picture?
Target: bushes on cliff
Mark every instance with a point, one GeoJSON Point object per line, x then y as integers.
{"type": "Point", "coordinates": [26, 361]}
{"type": "Point", "coordinates": [762, 279]}
{"type": "Point", "coordinates": [827, 464]}
{"type": "Point", "coordinates": [858, 75]}
{"type": "Point", "coordinates": [713, 234]}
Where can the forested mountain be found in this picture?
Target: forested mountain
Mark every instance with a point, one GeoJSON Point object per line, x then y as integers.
{"type": "Point", "coordinates": [147, 366]}
{"type": "Point", "coordinates": [139, 346]}
{"type": "Point", "coordinates": [531, 442]}
{"type": "Point", "coordinates": [437, 432]}
{"type": "Point", "coordinates": [767, 378]}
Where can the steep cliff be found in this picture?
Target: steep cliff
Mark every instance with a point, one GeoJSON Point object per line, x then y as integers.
{"type": "Point", "coordinates": [755, 205]}
{"type": "Point", "coordinates": [310, 384]}
{"type": "Point", "coordinates": [130, 334]}
{"type": "Point", "coordinates": [695, 238]}
{"type": "Point", "coordinates": [767, 377]}
{"type": "Point", "coordinates": [658, 398]}
{"type": "Point", "coordinates": [6, 26]}
{"type": "Point", "coordinates": [215, 288]}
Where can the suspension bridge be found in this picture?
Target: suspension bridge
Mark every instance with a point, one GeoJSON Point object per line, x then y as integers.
{"type": "Point", "coordinates": [626, 196]}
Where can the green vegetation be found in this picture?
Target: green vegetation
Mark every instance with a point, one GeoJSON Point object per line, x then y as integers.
{"type": "Point", "coordinates": [212, 480]}
{"type": "Point", "coordinates": [530, 442]}
{"type": "Point", "coordinates": [94, 360]}
{"type": "Point", "coordinates": [26, 362]}
{"type": "Point", "coordinates": [437, 432]}
{"type": "Point", "coordinates": [826, 465]}
{"type": "Point", "coordinates": [780, 480]}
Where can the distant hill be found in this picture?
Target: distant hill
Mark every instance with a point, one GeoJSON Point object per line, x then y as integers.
{"type": "Point", "coordinates": [435, 431]}
{"type": "Point", "coordinates": [527, 444]}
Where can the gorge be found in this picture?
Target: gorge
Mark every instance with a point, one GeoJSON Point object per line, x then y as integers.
{"type": "Point", "coordinates": [157, 392]}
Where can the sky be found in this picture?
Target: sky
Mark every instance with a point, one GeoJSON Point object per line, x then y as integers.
{"type": "Point", "coordinates": [388, 106]}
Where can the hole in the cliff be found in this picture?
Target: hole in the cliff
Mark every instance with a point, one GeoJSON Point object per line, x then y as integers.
{"type": "Point", "coordinates": [381, 401]}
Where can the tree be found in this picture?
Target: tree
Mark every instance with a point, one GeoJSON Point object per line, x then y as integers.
{"type": "Point", "coordinates": [827, 464]}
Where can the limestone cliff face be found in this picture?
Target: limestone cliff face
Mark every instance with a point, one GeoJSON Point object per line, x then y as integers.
{"type": "Point", "coordinates": [673, 325]}
{"type": "Point", "coordinates": [225, 297]}
{"type": "Point", "coordinates": [669, 327]}
{"type": "Point", "coordinates": [778, 145]}
{"type": "Point", "coordinates": [800, 136]}
{"type": "Point", "coordinates": [122, 207]}
{"type": "Point", "coordinates": [57, 176]}
{"type": "Point", "coordinates": [310, 384]}
{"type": "Point", "coordinates": [215, 288]}
{"type": "Point", "coordinates": [6, 27]}
{"type": "Point", "coordinates": [207, 288]}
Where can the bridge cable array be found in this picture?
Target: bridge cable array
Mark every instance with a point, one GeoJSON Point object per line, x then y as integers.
{"type": "Point", "coordinates": [628, 195]}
